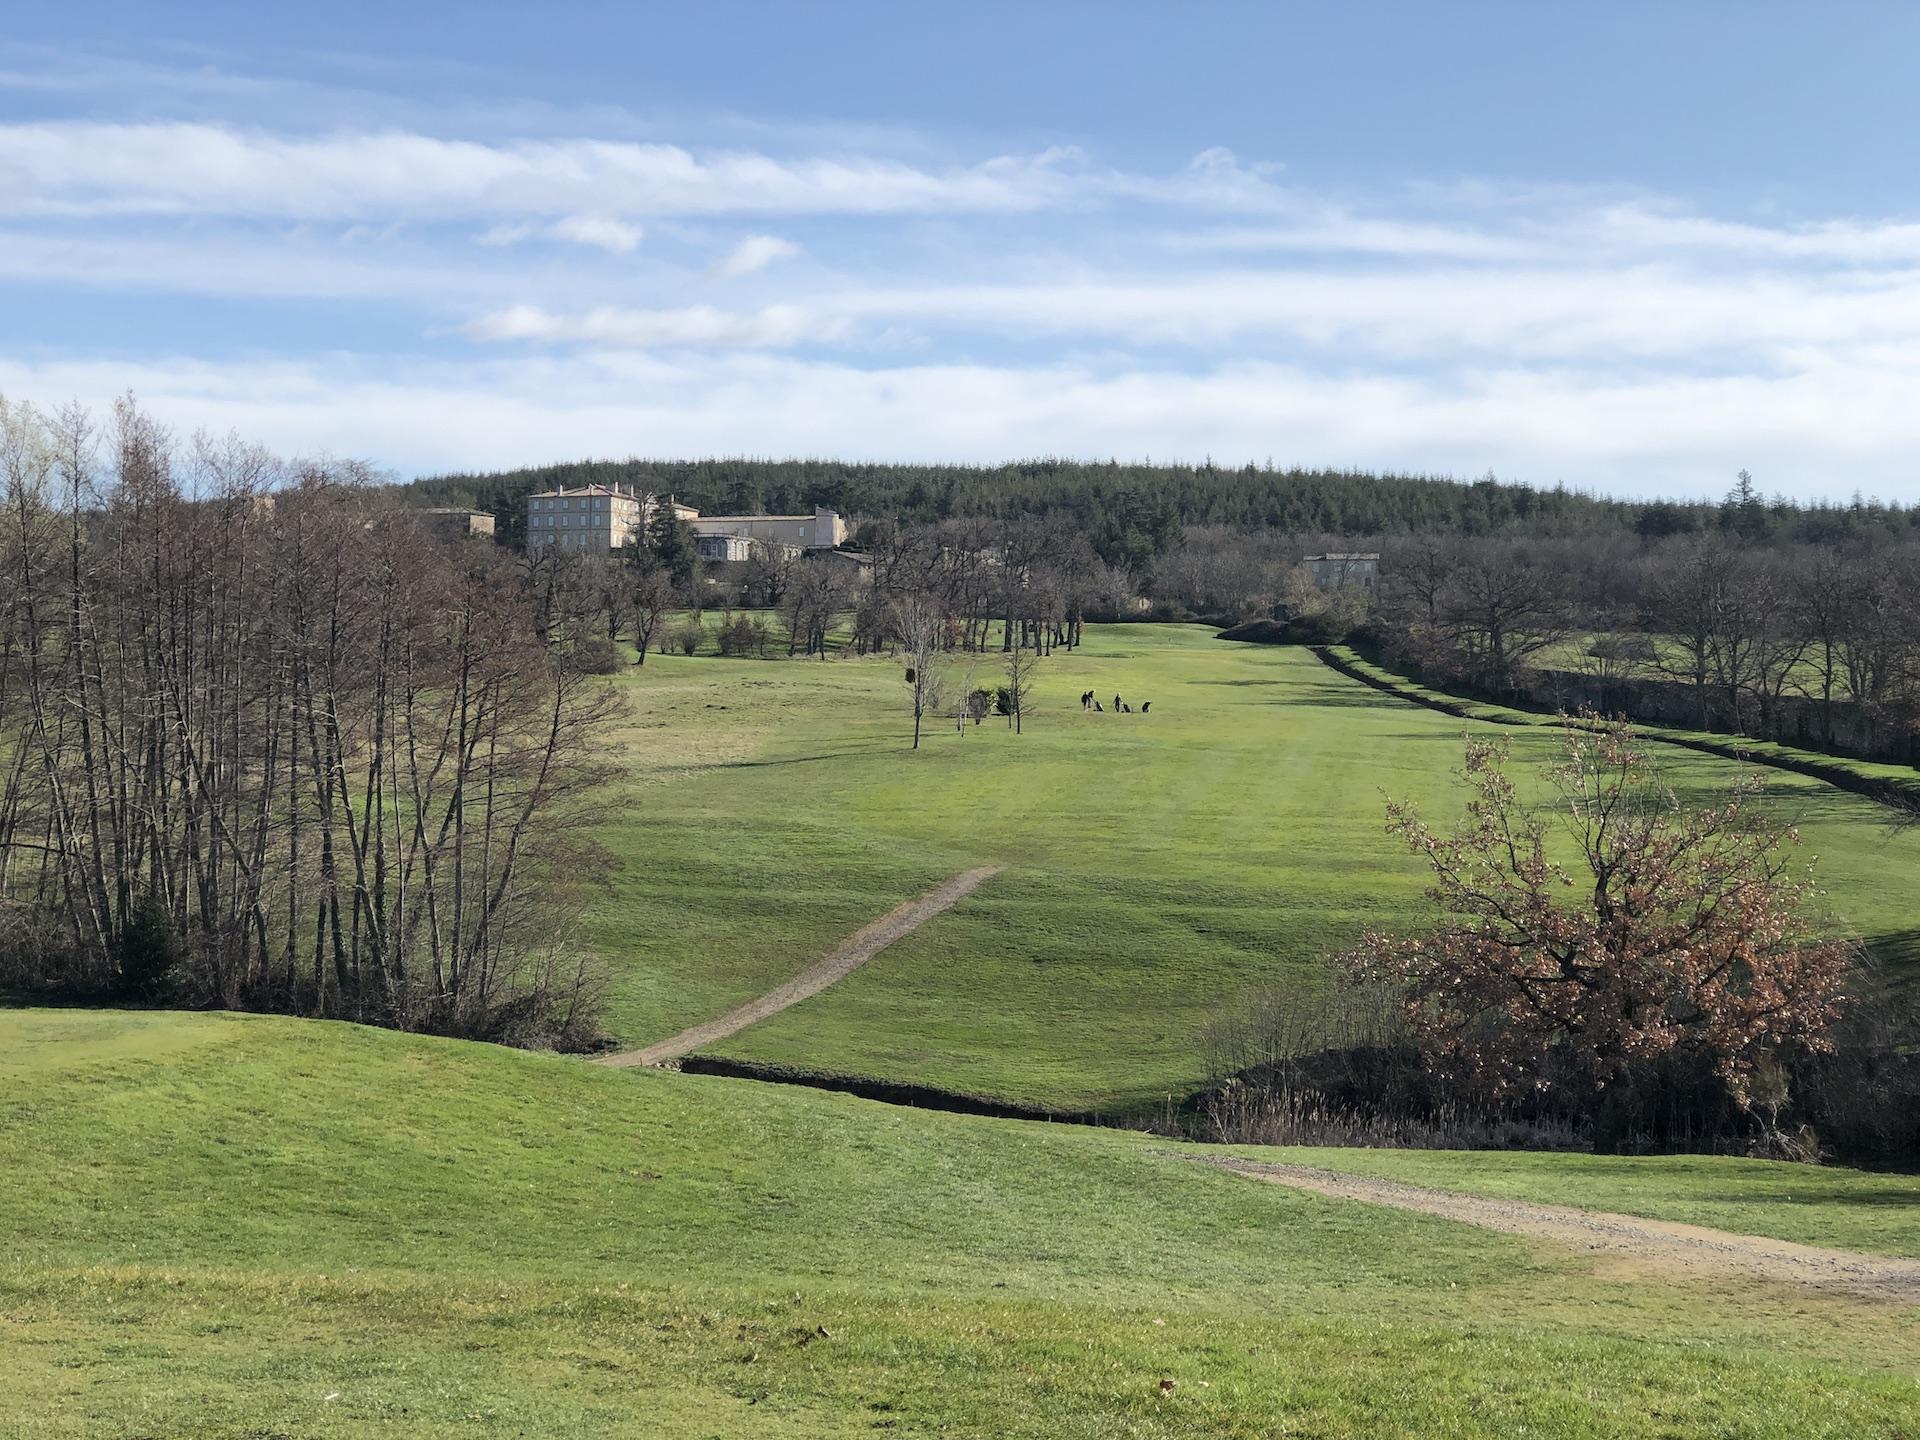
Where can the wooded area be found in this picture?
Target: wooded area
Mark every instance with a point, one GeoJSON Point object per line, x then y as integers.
{"type": "Point", "coordinates": [268, 744]}
{"type": "Point", "coordinates": [1816, 645]}
{"type": "Point", "coordinates": [1134, 512]}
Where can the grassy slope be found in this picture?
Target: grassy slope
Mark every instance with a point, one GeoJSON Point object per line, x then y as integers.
{"type": "Point", "coordinates": [247, 1226]}
{"type": "Point", "coordinates": [1158, 864]}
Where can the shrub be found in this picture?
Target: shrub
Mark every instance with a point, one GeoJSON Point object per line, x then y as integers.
{"type": "Point", "coordinates": [1320, 627]}
{"type": "Point", "coordinates": [1260, 632]}
{"type": "Point", "coordinates": [1317, 627]}
{"type": "Point", "coordinates": [686, 637]}
{"type": "Point", "coordinates": [38, 954]}
{"type": "Point", "coordinates": [743, 635]}
{"type": "Point", "coordinates": [147, 953]}
{"type": "Point", "coordinates": [1691, 941]}
{"type": "Point", "coordinates": [597, 656]}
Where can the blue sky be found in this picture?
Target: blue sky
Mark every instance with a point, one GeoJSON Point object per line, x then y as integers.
{"type": "Point", "coordinates": [1630, 247]}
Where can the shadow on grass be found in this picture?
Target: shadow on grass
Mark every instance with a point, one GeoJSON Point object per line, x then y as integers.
{"type": "Point", "coordinates": [1335, 698]}
{"type": "Point", "coordinates": [1905, 1196]}
{"type": "Point", "coordinates": [1898, 954]}
{"type": "Point", "coordinates": [843, 753]}
{"type": "Point", "coordinates": [13, 998]}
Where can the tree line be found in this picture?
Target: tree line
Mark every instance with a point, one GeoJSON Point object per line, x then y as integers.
{"type": "Point", "coordinates": [1810, 644]}
{"type": "Point", "coordinates": [267, 744]}
{"type": "Point", "coordinates": [1814, 643]}
{"type": "Point", "coordinates": [1750, 614]}
{"type": "Point", "coordinates": [1133, 513]}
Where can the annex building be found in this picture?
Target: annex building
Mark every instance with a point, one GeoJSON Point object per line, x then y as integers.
{"type": "Point", "coordinates": [602, 518]}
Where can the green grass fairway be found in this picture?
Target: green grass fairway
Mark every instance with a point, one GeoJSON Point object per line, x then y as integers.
{"type": "Point", "coordinates": [1157, 865]}
{"type": "Point", "coordinates": [220, 1226]}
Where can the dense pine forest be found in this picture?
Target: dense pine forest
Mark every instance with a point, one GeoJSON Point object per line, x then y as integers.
{"type": "Point", "coordinates": [1132, 512]}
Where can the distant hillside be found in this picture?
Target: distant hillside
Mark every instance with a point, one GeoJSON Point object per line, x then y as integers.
{"type": "Point", "coordinates": [1135, 510]}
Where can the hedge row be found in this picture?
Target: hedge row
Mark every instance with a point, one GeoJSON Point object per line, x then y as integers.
{"type": "Point", "coordinates": [1899, 794]}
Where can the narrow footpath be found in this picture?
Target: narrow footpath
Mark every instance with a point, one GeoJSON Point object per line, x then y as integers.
{"type": "Point", "coordinates": [846, 957]}
{"type": "Point", "coordinates": [1656, 1246]}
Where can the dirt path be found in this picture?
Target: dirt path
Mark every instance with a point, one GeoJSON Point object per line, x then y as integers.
{"type": "Point", "coordinates": [1645, 1246]}
{"type": "Point", "coordinates": [849, 955]}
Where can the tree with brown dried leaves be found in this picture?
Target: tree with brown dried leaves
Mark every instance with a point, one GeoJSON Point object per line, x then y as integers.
{"type": "Point", "coordinates": [1673, 929]}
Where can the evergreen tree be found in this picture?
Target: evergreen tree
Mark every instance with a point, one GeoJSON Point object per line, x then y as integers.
{"type": "Point", "coordinates": [1743, 511]}
{"type": "Point", "coordinates": [674, 547]}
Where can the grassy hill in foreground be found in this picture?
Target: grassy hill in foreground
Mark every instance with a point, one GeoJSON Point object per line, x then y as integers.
{"type": "Point", "coordinates": [1158, 865]}
{"type": "Point", "coordinates": [225, 1226]}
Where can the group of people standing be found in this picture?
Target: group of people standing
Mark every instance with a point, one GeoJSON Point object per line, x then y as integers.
{"type": "Point", "coordinates": [1120, 707]}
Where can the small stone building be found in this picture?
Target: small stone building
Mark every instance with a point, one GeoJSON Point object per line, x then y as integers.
{"type": "Point", "coordinates": [1359, 569]}
{"type": "Point", "coordinates": [448, 524]}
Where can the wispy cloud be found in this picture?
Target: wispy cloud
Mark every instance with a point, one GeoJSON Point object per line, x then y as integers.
{"type": "Point", "coordinates": [756, 252]}
{"type": "Point", "coordinates": [775, 327]}
{"type": "Point", "coordinates": [1655, 434]}
{"type": "Point", "coordinates": [69, 168]}
{"type": "Point", "coordinates": [1441, 315]}
{"type": "Point", "coordinates": [602, 232]}
{"type": "Point", "coordinates": [954, 302]}
{"type": "Point", "coordinates": [1844, 242]}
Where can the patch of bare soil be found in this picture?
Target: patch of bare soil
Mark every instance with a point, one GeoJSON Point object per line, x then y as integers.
{"type": "Point", "coordinates": [1651, 1245]}
{"type": "Point", "coordinates": [849, 955]}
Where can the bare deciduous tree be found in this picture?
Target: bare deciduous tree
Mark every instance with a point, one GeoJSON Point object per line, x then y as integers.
{"type": "Point", "coordinates": [1686, 587]}
{"type": "Point", "coordinates": [650, 599]}
{"type": "Point", "coordinates": [1503, 609]}
{"type": "Point", "coordinates": [1019, 668]}
{"type": "Point", "coordinates": [921, 626]}
{"type": "Point", "coordinates": [271, 745]}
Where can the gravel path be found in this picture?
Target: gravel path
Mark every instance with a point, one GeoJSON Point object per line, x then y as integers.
{"type": "Point", "coordinates": [1659, 1245]}
{"type": "Point", "coordinates": [849, 955]}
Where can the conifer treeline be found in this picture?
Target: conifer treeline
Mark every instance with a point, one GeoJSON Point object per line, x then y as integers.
{"type": "Point", "coordinates": [1132, 512]}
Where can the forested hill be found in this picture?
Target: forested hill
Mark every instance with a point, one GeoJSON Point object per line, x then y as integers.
{"type": "Point", "coordinates": [1133, 511]}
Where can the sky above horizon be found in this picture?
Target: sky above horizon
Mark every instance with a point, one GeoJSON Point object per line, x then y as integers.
{"type": "Point", "coordinates": [1629, 248]}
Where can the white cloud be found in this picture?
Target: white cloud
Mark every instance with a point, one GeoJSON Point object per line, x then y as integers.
{"type": "Point", "coordinates": [248, 263]}
{"type": "Point", "coordinates": [617, 237]}
{"type": "Point", "coordinates": [1338, 232]}
{"type": "Point", "coordinates": [601, 232]}
{"type": "Point", "coordinates": [1559, 226]}
{"type": "Point", "coordinates": [1610, 338]}
{"type": "Point", "coordinates": [1441, 315]}
{"type": "Point", "coordinates": [505, 234]}
{"type": "Point", "coordinates": [1844, 242]}
{"type": "Point", "coordinates": [78, 169]}
{"type": "Point", "coordinates": [756, 252]}
{"type": "Point", "coordinates": [776, 326]}
{"type": "Point", "coordinates": [1825, 428]}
